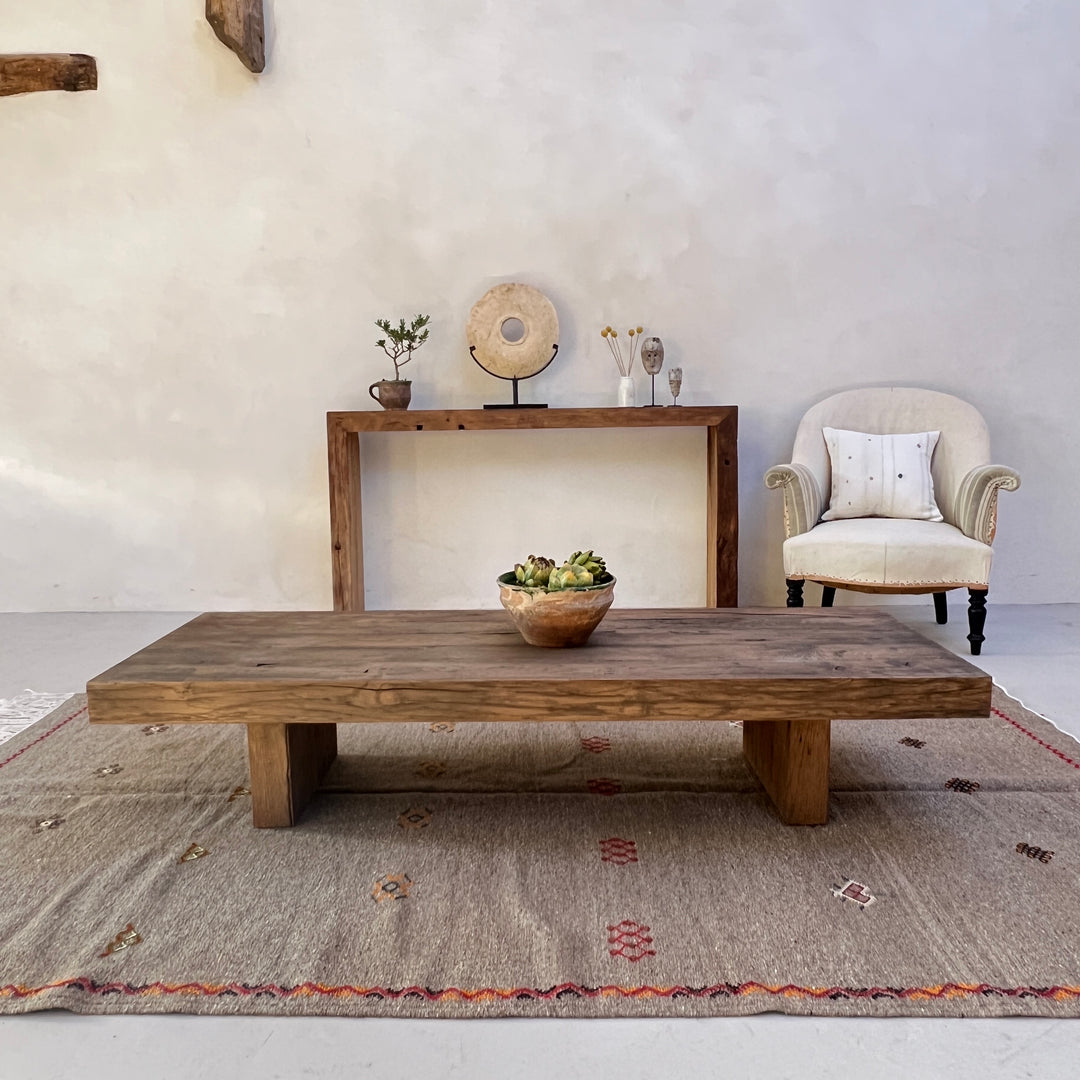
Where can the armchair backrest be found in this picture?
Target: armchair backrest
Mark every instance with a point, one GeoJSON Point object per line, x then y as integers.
{"type": "Point", "coordinates": [964, 442]}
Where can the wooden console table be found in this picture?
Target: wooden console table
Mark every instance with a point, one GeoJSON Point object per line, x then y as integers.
{"type": "Point", "coordinates": [721, 460]}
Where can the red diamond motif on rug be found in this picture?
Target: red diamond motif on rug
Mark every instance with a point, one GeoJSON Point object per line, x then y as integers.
{"type": "Point", "coordinates": [630, 940]}
{"type": "Point", "coordinates": [596, 744]}
{"type": "Point", "coordinates": [603, 785]}
{"type": "Point", "coordinates": [618, 851]}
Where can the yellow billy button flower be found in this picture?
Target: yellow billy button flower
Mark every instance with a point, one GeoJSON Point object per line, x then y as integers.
{"type": "Point", "coordinates": [640, 329]}
{"type": "Point", "coordinates": [631, 331]}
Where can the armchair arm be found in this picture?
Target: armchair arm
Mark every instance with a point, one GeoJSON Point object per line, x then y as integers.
{"type": "Point", "coordinates": [976, 501]}
{"type": "Point", "coordinates": [802, 497]}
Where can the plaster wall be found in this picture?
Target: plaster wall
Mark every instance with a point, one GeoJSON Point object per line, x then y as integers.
{"type": "Point", "coordinates": [798, 196]}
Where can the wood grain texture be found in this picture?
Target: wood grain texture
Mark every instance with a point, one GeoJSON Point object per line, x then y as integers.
{"type": "Point", "coordinates": [722, 472]}
{"type": "Point", "coordinates": [521, 419]}
{"type": "Point", "coordinates": [791, 759]}
{"type": "Point", "coordinates": [722, 513]}
{"type": "Point", "coordinates": [239, 25]}
{"type": "Point", "coordinates": [346, 518]}
{"type": "Point", "coordinates": [683, 664]}
{"type": "Point", "coordinates": [28, 73]}
{"type": "Point", "coordinates": [291, 676]}
{"type": "Point", "coordinates": [287, 761]}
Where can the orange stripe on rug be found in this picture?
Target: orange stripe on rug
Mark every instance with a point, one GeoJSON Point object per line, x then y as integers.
{"type": "Point", "coordinates": [480, 994]}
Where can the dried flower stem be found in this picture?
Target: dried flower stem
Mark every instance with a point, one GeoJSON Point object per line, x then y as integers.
{"type": "Point", "coordinates": [611, 346]}
{"type": "Point", "coordinates": [635, 338]}
{"type": "Point", "coordinates": [612, 338]}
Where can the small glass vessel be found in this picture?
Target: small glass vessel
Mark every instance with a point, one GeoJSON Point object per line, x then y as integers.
{"type": "Point", "coordinates": [674, 379]}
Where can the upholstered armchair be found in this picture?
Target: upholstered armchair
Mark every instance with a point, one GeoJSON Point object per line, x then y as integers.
{"type": "Point", "coordinates": [828, 541]}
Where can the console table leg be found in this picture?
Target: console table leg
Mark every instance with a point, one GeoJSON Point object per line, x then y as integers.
{"type": "Point", "coordinates": [791, 759]}
{"type": "Point", "coordinates": [346, 529]}
{"type": "Point", "coordinates": [287, 762]}
{"type": "Point", "coordinates": [722, 514]}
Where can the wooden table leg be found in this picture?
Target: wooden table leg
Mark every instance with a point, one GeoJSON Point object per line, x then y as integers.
{"type": "Point", "coordinates": [722, 514]}
{"type": "Point", "coordinates": [287, 762]}
{"type": "Point", "coordinates": [346, 528]}
{"type": "Point", "coordinates": [791, 759]}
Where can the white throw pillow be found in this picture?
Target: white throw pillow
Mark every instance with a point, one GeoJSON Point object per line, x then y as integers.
{"type": "Point", "coordinates": [881, 475]}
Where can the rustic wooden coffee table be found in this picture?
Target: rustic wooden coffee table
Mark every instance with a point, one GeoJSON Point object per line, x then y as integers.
{"type": "Point", "coordinates": [291, 677]}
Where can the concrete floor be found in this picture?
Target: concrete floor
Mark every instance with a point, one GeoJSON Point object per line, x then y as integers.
{"type": "Point", "coordinates": [1032, 651]}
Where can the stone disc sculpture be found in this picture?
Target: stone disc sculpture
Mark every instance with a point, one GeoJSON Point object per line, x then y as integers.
{"type": "Point", "coordinates": [513, 331]}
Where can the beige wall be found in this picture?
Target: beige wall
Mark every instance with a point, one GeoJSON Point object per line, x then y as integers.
{"type": "Point", "coordinates": [798, 196]}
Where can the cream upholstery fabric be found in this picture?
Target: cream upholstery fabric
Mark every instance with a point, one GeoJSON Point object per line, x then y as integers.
{"type": "Point", "coordinates": [976, 502]}
{"type": "Point", "coordinates": [888, 551]}
{"type": "Point", "coordinates": [963, 445]}
{"type": "Point", "coordinates": [884, 551]}
{"type": "Point", "coordinates": [802, 497]}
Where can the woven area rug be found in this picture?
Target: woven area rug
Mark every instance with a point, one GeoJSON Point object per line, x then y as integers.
{"type": "Point", "coordinates": [566, 870]}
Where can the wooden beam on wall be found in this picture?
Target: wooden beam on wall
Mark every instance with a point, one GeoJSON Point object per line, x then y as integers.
{"type": "Point", "coordinates": [239, 25]}
{"type": "Point", "coordinates": [27, 73]}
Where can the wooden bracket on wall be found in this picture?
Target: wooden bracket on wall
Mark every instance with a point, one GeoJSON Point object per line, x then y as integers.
{"type": "Point", "coordinates": [27, 73]}
{"type": "Point", "coordinates": [239, 25]}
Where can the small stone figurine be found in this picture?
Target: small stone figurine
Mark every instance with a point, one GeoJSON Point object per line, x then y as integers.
{"type": "Point", "coordinates": [652, 360]}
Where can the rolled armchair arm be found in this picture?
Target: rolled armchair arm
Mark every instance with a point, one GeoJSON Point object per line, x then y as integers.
{"type": "Point", "coordinates": [802, 497]}
{"type": "Point", "coordinates": [976, 501]}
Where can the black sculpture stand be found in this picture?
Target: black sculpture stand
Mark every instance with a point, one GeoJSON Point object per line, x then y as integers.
{"type": "Point", "coordinates": [652, 404]}
{"type": "Point", "coordinates": [515, 404]}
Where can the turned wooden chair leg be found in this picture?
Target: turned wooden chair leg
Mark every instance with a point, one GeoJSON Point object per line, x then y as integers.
{"type": "Point", "coordinates": [941, 608]}
{"type": "Point", "coordinates": [828, 594]}
{"type": "Point", "coordinates": [976, 619]}
{"type": "Point", "coordinates": [794, 592]}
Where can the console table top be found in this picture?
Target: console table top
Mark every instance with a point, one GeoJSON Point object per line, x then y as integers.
{"type": "Point", "coordinates": [511, 419]}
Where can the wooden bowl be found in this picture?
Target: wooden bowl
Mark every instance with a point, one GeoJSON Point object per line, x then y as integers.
{"type": "Point", "coordinates": [555, 620]}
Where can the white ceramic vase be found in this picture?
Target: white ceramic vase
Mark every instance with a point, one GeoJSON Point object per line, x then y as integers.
{"type": "Point", "coordinates": [627, 394]}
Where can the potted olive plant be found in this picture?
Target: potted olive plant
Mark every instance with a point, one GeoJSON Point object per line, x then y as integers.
{"type": "Point", "coordinates": [399, 344]}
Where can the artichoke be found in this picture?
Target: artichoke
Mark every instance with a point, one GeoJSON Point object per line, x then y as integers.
{"type": "Point", "coordinates": [569, 576]}
{"type": "Point", "coordinates": [534, 572]}
{"type": "Point", "coordinates": [592, 562]}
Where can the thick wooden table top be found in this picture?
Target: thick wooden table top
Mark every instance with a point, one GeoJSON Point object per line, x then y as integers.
{"type": "Point", "coordinates": [697, 663]}
{"type": "Point", "coordinates": [510, 419]}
